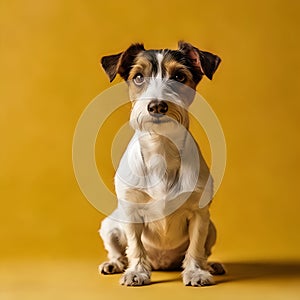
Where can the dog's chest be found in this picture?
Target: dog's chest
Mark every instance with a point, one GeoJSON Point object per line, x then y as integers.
{"type": "Point", "coordinates": [155, 166]}
{"type": "Point", "coordinates": [162, 166]}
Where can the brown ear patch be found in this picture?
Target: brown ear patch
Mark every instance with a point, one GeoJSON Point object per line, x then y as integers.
{"type": "Point", "coordinates": [110, 65]}
{"type": "Point", "coordinates": [127, 59]}
{"type": "Point", "coordinates": [206, 62]}
{"type": "Point", "coordinates": [121, 63]}
{"type": "Point", "coordinates": [191, 52]}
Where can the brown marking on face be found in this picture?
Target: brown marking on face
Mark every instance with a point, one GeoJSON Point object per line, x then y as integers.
{"type": "Point", "coordinates": [178, 113]}
{"type": "Point", "coordinates": [170, 68]}
{"type": "Point", "coordinates": [185, 88]}
{"type": "Point", "coordinates": [141, 65]}
{"type": "Point", "coordinates": [174, 68]}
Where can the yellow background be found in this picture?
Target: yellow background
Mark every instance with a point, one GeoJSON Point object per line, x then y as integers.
{"type": "Point", "coordinates": [50, 71]}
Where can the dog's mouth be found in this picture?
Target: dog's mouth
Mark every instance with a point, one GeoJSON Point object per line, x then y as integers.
{"type": "Point", "coordinates": [159, 120]}
{"type": "Point", "coordinates": [145, 122]}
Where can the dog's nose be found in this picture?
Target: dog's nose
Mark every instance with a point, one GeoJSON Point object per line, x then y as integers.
{"type": "Point", "coordinates": [157, 108]}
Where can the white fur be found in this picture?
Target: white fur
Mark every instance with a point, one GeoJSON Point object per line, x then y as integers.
{"type": "Point", "coordinates": [159, 57]}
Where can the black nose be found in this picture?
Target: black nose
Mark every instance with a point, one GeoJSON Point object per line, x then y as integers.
{"type": "Point", "coordinates": [157, 108]}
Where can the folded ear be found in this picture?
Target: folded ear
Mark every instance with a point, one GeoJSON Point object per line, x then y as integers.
{"type": "Point", "coordinates": [121, 63]}
{"type": "Point", "coordinates": [206, 62]}
{"type": "Point", "coordinates": [110, 65]}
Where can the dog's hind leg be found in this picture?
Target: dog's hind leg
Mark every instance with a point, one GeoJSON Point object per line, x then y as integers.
{"type": "Point", "coordinates": [115, 243]}
{"type": "Point", "coordinates": [215, 268]}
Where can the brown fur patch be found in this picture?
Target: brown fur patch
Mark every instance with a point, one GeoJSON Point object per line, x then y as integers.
{"type": "Point", "coordinates": [173, 67]}
{"type": "Point", "coordinates": [137, 196]}
{"type": "Point", "coordinates": [141, 65]}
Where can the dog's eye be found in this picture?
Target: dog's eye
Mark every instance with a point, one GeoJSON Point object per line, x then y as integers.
{"type": "Point", "coordinates": [138, 79]}
{"type": "Point", "coordinates": [180, 77]}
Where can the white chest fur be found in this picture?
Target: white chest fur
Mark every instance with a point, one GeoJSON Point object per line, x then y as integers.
{"type": "Point", "coordinates": [165, 170]}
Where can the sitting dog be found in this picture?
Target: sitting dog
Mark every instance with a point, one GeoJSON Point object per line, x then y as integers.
{"type": "Point", "coordinates": [163, 184]}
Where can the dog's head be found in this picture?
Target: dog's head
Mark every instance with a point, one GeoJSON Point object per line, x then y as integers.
{"type": "Point", "coordinates": [162, 83]}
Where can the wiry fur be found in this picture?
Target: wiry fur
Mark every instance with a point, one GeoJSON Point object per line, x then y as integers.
{"type": "Point", "coordinates": [162, 156]}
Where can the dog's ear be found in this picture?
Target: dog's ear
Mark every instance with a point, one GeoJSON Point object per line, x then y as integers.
{"type": "Point", "coordinates": [206, 62]}
{"type": "Point", "coordinates": [110, 65]}
{"type": "Point", "coordinates": [121, 63]}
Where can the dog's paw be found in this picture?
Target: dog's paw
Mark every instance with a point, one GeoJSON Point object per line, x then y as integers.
{"type": "Point", "coordinates": [216, 268]}
{"type": "Point", "coordinates": [197, 277]}
{"type": "Point", "coordinates": [110, 267]}
{"type": "Point", "coordinates": [135, 278]}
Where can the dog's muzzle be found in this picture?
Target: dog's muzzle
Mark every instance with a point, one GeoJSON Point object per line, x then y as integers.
{"type": "Point", "coordinates": [157, 108]}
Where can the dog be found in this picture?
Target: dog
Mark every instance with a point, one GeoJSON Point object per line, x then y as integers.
{"type": "Point", "coordinates": [163, 183]}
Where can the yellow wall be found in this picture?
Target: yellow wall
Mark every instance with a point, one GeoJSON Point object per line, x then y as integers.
{"type": "Point", "coordinates": [49, 72]}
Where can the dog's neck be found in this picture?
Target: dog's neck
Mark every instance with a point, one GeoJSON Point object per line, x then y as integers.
{"type": "Point", "coordinates": [156, 144]}
{"type": "Point", "coordinates": [161, 156]}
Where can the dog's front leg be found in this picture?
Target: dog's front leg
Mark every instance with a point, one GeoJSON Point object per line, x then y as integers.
{"type": "Point", "coordinates": [139, 270]}
{"type": "Point", "coordinates": [195, 266]}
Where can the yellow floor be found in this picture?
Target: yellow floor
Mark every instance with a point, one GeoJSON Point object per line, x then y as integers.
{"type": "Point", "coordinates": [62, 279]}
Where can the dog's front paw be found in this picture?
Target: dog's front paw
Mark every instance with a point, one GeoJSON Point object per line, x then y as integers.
{"type": "Point", "coordinates": [197, 277]}
{"type": "Point", "coordinates": [135, 278]}
{"type": "Point", "coordinates": [111, 267]}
